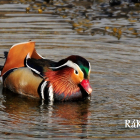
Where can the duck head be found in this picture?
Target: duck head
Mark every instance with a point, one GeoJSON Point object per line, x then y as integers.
{"type": "Point", "coordinates": [69, 78]}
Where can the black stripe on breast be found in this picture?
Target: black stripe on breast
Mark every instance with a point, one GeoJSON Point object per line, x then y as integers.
{"type": "Point", "coordinates": [7, 73]}
{"type": "Point", "coordinates": [43, 90]}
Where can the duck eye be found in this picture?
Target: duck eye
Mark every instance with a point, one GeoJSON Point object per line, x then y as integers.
{"type": "Point", "coordinates": [76, 72]}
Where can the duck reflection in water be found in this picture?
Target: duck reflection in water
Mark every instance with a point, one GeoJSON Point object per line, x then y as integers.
{"type": "Point", "coordinates": [31, 111]}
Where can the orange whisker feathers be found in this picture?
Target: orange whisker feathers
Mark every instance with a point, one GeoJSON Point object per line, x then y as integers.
{"type": "Point", "coordinates": [62, 82]}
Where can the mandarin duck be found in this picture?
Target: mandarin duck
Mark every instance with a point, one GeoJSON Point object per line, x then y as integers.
{"type": "Point", "coordinates": [28, 73]}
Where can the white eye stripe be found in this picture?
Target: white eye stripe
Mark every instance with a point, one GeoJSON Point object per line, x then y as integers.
{"type": "Point", "coordinates": [72, 65]}
{"type": "Point", "coordinates": [69, 64]}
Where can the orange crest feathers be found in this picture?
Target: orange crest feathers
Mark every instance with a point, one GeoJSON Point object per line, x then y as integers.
{"type": "Point", "coordinates": [17, 55]}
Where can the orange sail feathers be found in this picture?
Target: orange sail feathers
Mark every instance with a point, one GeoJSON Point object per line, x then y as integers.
{"type": "Point", "coordinates": [17, 54]}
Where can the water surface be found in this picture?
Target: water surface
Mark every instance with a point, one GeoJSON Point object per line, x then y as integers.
{"type": "Point", "coordinates": [109, 37]}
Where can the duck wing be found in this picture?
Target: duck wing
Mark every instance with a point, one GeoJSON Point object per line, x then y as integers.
{"type": "Point", "coordinates": [40, 66]}
{"type": "Point", "coordinates": [17, 54]}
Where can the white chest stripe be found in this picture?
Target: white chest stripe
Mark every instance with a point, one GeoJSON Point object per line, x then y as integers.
{"type": "Point", "coordinates": [50, 93]}
{"type": "Point", "coordinates": [42, 89]}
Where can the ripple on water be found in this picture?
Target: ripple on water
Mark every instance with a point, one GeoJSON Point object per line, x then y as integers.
{"type": "Point", "coordinates": [107, 36]}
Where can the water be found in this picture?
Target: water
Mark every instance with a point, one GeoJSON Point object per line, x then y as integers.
{"type": "Point", "coordinates": [86, 28]}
